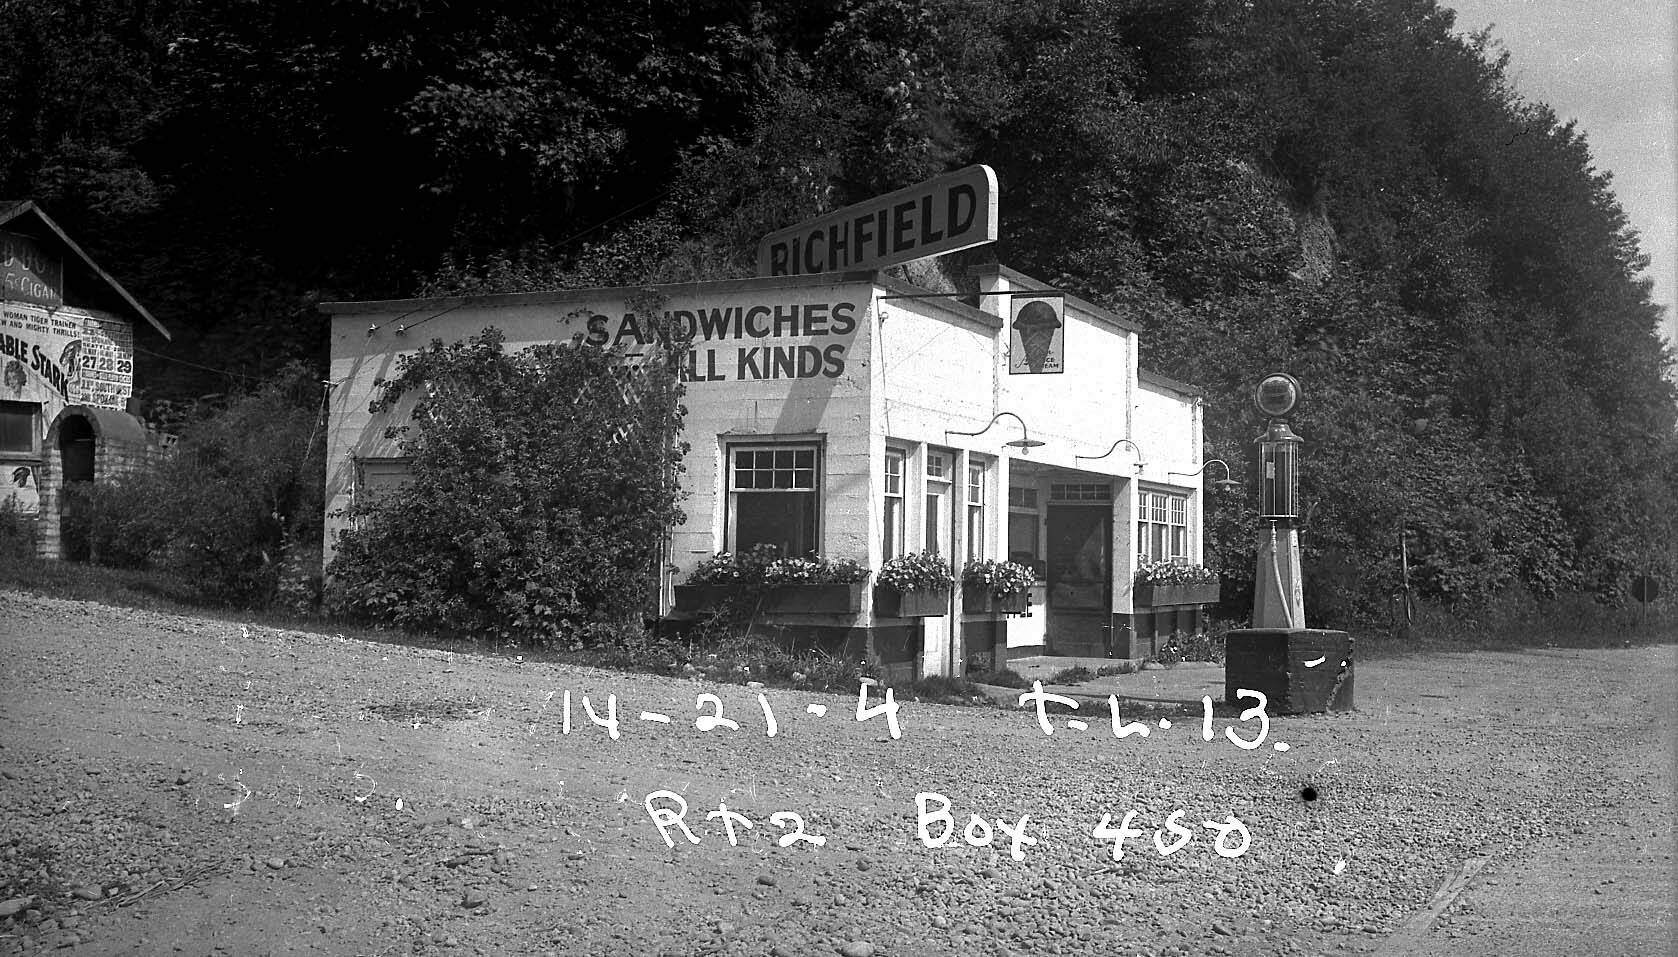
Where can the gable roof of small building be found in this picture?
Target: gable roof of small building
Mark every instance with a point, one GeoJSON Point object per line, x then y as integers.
{"type": "Point", "coordinates": [23, 212]}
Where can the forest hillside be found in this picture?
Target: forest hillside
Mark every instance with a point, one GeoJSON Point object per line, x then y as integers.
{"type": "Point", "coordinates": [1349, 191]}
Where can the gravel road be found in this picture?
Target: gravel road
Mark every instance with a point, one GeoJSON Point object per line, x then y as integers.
{"type": "Point", "coordinates": [188, 785]}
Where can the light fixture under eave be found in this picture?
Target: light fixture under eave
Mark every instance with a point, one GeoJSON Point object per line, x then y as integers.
{"type": "Point", "coordinates": [1225, 484]}
{"type": "Point", "coordinates": [1141, 462]}
{"type": "Point", "coordinates": [1024, 443]}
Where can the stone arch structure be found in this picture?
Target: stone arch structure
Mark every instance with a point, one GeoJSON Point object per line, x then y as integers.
{"type": "Point", "coordinates": [86, 444]}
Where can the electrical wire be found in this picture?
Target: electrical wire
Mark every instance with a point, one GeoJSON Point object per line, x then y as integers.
{"type": "Point", "coordinates": [195, 365]}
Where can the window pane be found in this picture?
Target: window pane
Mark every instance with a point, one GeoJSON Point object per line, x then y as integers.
{"type": "Point", "coordinates": [975, 533]}
{"type": "Point", "coordinates": [786, 520]}
{"type": "Point", "coordinates": [17, 428]}
{"type": "Point", "coordinates": [1179, 509]}
{"type": "Point", "coordinates": [894, 528]}
{"type": "Point", "coordinates": [894, 473]}
{"type": "Point", "coordinates": [935, 464]}
{"type": "Point", "coordinates": [936, 522]}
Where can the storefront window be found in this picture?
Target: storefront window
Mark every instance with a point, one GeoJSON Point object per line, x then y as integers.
{"type": "Point", "coordinates": [893, 541]}
{"type": "Point", "coordinates": [1024, 522]}
{"type": "Point", "coordinates": [1162, 530]}
{"type": "Point", "coordinates": [773, 498]}
{"type": "Point", "coordinates": [976, 511]}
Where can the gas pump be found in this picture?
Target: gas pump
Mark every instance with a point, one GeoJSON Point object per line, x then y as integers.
{"type": "Point", "coordinates": [1298, 669]}
{"type": "Point", "coordinates": [1278, 584]}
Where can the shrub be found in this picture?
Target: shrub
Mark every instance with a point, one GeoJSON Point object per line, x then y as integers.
{"type": "Point", "coordinates": [17, 530]}
{"type": "Point", "coordinates": [238, 496]}
{"type": "Point", "coordinates": [1070, 676]}
{"type": "Point", "coordinates": [1180, 647]}
{"type": "Point", "coordinates": [542, 485]}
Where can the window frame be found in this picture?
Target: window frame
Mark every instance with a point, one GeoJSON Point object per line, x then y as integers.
{"type": "Point", "coordinates": [893, 540]}
{"type": "Point", "coordinates": [32, 410]}
{"type": "Point", "coordinates": [1167, 511]}
{"type": "Point", "coordinates": [973, 500]}
{"type": "Point", "coordinates": [937, 515]}
{"type": "Point", "coordinates": [730, 491]}
{"type": "Point", "coordinates": [1026, 504]}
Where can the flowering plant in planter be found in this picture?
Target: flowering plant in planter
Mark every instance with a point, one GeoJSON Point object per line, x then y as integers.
{"type": "Point", "coordinates": [814, 570]}
{"type": "Point", "coordinates": [1170, 573]}
{"type": "Point", "coordinates": [763, 565]}
{"type": "Point", "coordinates": [719, 569]}
{"type": "Point", "coordinates": [999, 578]}
{"type": "Point", "coordinates": [922, 571]}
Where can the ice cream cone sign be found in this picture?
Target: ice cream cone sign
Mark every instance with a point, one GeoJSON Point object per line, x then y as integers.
{"type": "Point", "coordinates": [1037, 343]}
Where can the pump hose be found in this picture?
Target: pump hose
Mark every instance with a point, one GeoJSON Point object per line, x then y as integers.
{"type": "Point", "coordinates": [1276, 570]}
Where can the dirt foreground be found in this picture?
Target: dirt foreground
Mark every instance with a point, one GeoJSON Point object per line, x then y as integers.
{"type": "Point", "coordinates": [181, 785]}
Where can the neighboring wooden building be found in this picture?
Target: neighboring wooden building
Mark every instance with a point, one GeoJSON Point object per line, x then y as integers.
{"type": "Point", "coordinates": [67, 333]}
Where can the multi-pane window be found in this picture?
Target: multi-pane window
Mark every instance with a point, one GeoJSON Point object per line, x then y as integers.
{"type": "Point", "coordinates": [17, 426]}
{"type": "Point", "coordinates": [1162, 531]}
{"type": "Point", "coordinates": [893, 541]}
{"type": "Point", "coordinates": [773, 497]}
{"type": "Point", "coordinates": [1081, 492]}
{"type": "Point", "coordinates": [975, 511]}
{"type": "Point", "coordinates": [937, 517]}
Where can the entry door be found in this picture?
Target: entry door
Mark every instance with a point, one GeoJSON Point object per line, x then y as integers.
{"type": "Point", "coordinates": [1080, 592]}
{"type": "Point", "coordinates": [937, 534]}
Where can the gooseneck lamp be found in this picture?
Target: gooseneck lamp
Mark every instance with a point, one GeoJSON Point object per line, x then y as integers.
{"type": "Point", "coordinates": [1024, 442]}
{"type": "Point", "coordinates": [1141, 459]}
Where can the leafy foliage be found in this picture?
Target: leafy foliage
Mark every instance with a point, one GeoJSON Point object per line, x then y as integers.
{"type": "Point", "coordinates": [235, 508]}
{"type": "Point", "coordinates": [1350, 191]}
{"type": "Point", "coordinates": [490, 540]}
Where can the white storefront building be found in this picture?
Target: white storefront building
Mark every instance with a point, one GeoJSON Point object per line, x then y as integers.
{"type": "Point", "coordinates": [857, 389]}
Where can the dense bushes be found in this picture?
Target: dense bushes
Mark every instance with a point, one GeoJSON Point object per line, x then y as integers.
{"type": "Point", "coordinates": [542, 485]}
{"type": "Point", "coordinates": [233, 510]}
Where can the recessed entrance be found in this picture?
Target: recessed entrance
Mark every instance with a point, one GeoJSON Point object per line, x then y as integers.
{"type": "Point", "coordinates": [1080, 580]}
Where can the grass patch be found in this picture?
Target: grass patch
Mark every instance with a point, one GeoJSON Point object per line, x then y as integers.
{"type": "Point", "coordinates": [1001, 678]}
{"type": "Point", "coordinates": [1126, 667]}
{"type": "Point", "coordinates": [1516, 621]}
{"type": "Point", "coordinates": [1075, 675]}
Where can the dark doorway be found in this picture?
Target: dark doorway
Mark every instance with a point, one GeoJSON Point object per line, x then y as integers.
{"type": "Point", "coordinates": [76, 466]}
{"type": "Point", "coordinates": [1080, 581]}
{"type": "Point", "coordinates": [75, 449]}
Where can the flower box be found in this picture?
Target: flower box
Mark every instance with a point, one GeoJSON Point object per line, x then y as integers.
{"type": "Point", "coordinates": [696, 598]}
{"type": "Point", "coordinates": [800, 599]}
{"type": "Point", "coordinates": [983, 601]}
{"type": "Point", "coordinates": [919, 603]}
{"type": "Point", "coordinates": [1160, 596]}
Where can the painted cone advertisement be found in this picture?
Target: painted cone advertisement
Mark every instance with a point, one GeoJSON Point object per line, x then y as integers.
{"type": "Point", "coordinates": [1037, 340]}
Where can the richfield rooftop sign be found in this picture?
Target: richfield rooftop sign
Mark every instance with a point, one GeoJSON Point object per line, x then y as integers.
{"type": "Point", "coordinates": [944, 214]}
